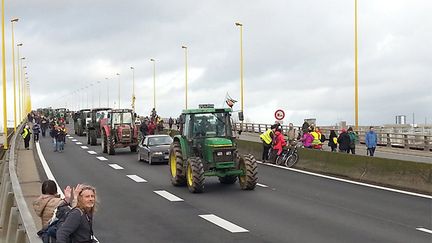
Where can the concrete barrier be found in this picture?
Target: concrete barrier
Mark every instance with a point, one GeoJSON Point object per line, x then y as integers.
{"type": "Point", "coordinates": [407, 175]}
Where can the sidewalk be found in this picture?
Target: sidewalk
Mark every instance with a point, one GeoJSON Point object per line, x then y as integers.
{"type": "Point", "coordinates": [28, 176]}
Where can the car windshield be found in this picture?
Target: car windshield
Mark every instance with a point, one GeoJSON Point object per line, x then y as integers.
{"type": "Point", "coordinates": [211, 125]}
{"type": "Point", "coordinates": [162, 140]}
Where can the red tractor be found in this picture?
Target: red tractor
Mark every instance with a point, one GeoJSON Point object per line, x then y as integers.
{"type": "Point", "coordinates": [118, 130]}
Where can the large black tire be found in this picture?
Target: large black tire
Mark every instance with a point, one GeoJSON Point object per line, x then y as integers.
{"type": "Point", "coordinates": [104, 143]}
{"type": "Point", "coordinates": [111, 144]}
{"type": "Point", "coordinates": [133, 148]}
{"type": "Point", "coordinates": [178, 177]}
{"type": "Point", "coordinates": [93, 138]}
{"type": "Point", "coordinates": [228, 179]}
{"type": "Point", "coordinates": [195, 175]}
{"type": "Point", "coordinates": [248, 164]}
{"type": "Point", "coordinates": [88, 137]}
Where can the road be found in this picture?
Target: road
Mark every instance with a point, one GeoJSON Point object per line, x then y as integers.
{"type": "Point", "coordinates": [287, 206]}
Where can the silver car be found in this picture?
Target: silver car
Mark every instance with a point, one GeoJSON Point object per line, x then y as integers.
{"type": "Point", "coordinates": [154, 149]}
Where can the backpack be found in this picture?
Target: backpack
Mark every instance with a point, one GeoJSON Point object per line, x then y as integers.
{"type": "Point", "coordinates": [353, 139]}
{"type": "Point", "coordinates": [48, 234]}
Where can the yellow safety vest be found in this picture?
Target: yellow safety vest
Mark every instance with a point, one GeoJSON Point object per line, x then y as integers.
{"type": "Point", "coordinates": [266, 136]}
{"type": "Point", "coordinates": [25, 133]}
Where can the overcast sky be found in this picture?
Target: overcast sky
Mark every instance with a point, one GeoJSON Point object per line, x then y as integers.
{"type": "Point", "coordinates": [298, 56]}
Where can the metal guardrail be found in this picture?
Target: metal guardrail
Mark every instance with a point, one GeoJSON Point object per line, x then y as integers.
{"type": "Point", "coordinates": [389, 139]}
{"type": "Point", "coordinates": [16, 222]}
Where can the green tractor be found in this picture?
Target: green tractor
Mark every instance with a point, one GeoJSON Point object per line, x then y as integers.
{"type": "Point", "coordinates": [206, 147]}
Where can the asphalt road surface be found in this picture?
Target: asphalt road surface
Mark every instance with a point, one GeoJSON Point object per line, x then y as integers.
{"type": "Point", "coordinates": [287, 206]}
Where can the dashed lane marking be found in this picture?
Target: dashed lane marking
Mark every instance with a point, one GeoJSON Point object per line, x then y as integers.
{"type": "Point", "coordinates": [261, 185]}
{"type": "Point", "coordinates": [116, 166]}
{"type": "Point", "coordinates": [84, 147]}
{"type": "Point", "coordinates": [74, 140]}
{"type": "Point", "coordinates": [169, 196]}
{"type": "Point", "coordinates": [67, 135]}
{"type": "Point", "coordinates": [223, 223]}
{"type": "Point", "coordinates": [136, 178]}
{"type": "Point", "coordinates": [424, 230]}
{"type": "Point", "coordinates": [91, 152]}
{"type": "Point", "coordinates": [348, 181]}
{"type": "Point", "coordinates": [71, 137]}
{"type": "Point", "coordinates": [101, 158]}
{"type": "Point", "coordinates": [78, 143]}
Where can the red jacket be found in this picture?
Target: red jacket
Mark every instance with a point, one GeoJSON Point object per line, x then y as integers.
{"type": "Point", "coordinates": [279, 142]}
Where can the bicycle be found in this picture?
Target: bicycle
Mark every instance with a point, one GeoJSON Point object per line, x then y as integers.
{"type": "Point", "coordinates": [289, 156]}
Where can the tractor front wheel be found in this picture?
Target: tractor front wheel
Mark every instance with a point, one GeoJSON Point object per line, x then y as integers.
{"type": "Point", "coordinates": [93, 137]}
{"type": "Point", "coordinates": [176, 165]}
{"type": "Point", "coordinates": [195, 175]}
{"type": "Point", "coordinates": [249, 179]}
{"type": "Point", "coordinates": [111, 143]}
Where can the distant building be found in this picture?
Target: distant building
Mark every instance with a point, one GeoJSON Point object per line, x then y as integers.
{"type": "Point", "coordinates": [401, 119]}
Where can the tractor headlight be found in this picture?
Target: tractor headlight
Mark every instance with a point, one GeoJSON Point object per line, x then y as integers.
{"type": "Point", "coordinates": [228, 153]}
{"type": "Point", "coordinates": [157, 153]}
{"type": "Point", "coordinates": [219, 153]}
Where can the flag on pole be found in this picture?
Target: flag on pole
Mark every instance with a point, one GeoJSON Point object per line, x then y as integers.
{"type": "Point", "coordinates": [230, 101]}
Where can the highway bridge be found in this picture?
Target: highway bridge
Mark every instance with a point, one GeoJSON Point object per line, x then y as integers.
{"type": "Point", "coordinates": [137, 202]}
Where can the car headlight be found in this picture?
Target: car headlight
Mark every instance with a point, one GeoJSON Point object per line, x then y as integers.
{"type": "Point", "coordinates": [157, 153]}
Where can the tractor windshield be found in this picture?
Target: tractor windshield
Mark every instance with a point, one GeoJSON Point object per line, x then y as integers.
{"type": "Point", "coordinates": [212, 125]}
{"type": "Point", "coordinates": [122, 118]}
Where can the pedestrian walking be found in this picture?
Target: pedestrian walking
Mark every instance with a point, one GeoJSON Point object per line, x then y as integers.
{"type": "Point", "coordinates": [267, 138]}
{"type": "Point", "coordinates": [371, 140]}
{"type": "Point", "coordinates": [333, 141]}
{"type": "Point", "coordinates": [307, 140]}
{"type": "Point", "coordinates": [291, 134]}
{"type": "Point", "coordinates": [353, 140]}
{"type": "Point", "coordinates": [26, 134]}
{"type": "Point", "coordinates": [53, 135]}
{"type": "Point", "coordinates": [60, 139]}
{"type": "Point", "coordinates": [44, 125]}
{"type": "Point", "coordinates": [170, 123]}
{"type": "Point", "coordinates": [343, 141]}
{"type": "Point", "coordinates": [316, 134]}
{"type": "Point", "coordinates": [36, 131]}
{"type": "Point", "coordinates": [49, 200]}
{"type": "Point", "coordinates": [78, 226]}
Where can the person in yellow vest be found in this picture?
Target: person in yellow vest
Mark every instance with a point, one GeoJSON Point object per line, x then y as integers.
{"type": "Point", "coordinates": [26, 134]}
{"type": "Point", "coordinates": [267, 138]}
{"type": "Point", "coordinates": [316, 134]}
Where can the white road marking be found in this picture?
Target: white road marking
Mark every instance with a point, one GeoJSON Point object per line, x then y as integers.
{"type": "Point", "coordinates": [70, 137]}
{"type": "Point", "coordinates": [91, 152]}
{"type": "Point", "coordinates": [136, 178]}
{"type": "Point", "coordinates": [223, 223]}
{"type": "Point", "coordinates": [74, 140]}
{"type": "Point", "coordinates": [261, 185]}
{"type": "Point", "coordinates": [348, 181]}
{"type": "Point", "coordinates": [67, 135]}
{"type": "Point", "coordinates": [84, 147]}
{"type": "Point", "coordinates": [424, 230]}
{"type": "Point", "coordinates": [101, 158]}
{"type": "Point", "coordinates": [169, 196]}
{"type": "Point", "coordinates": [116, 166]}
{"type": "Point", "coordinates": [79, 143]}
{"type": "Point", "coordinates": [49, 173]}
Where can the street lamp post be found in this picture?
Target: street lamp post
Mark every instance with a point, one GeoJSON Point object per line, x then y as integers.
{"type": "Point", "coordinates": [133, 88]}
{"type": "Point", "coordinates": [19, 81]}
{"type": "Point", "coordinates": [356, 65]}
{"type": "Point", "coordinates": [5, 131]}
{"type": "Point", "coordinates": [118, 76]}
{"type": "Point", "coordinates": [13, 73]}
{"type": "Point", "coordinates": [99, 92]}
{"type": "Point", "coordinates": [154, 82]}
{"type": "Point", "coordinates": [23, 78]}
{"type": "Point", "coordinates": [241, 65]}
{"type": "Point", "coordinates": [92, 94]}
{"type": "Point", "coordinates": [186, 77]}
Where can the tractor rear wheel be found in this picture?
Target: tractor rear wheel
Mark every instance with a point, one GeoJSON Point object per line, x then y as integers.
{"type": "Point", "coordinates": [88, 136]}
{"type": "Point", "coordinates": [227, 179]}
{"type": "Point", "coordinates": [104, 143]}
{"type": "Point", "coordinates": [249, 179]}
{"type": "Point", "coordinates": [195, 175]}
{"type": "Point", "coordinates": [111, 143]}
{"type": "Point", "coordinates": [176, 165]}
{"type": "Point", "coordinates": [93, 138]}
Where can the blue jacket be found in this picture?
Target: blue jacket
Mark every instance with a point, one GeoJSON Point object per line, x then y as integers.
{"type": "Point", "coordinates": [371, 139]}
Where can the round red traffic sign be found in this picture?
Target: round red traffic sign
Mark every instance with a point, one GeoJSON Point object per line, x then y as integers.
{"type": "Point", "coordinates": [279, 114]}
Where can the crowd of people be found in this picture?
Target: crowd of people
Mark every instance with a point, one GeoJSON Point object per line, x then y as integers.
{"type": "Point", "coordinates": [312, 137]}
